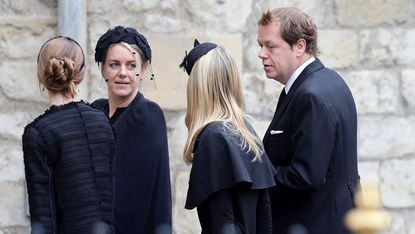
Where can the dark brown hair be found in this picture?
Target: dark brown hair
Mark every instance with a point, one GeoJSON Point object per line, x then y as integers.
{"type": "Point", "coordinates": [294, 25]}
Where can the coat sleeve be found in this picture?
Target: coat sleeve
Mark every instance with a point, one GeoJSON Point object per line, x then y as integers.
{"type": "Point", "coordinates": [162, 190]}
{"type": "Point", "coordinates": [39, 182]}
{"type": "Point", "coordinates": [221, 215]}
{"type": "Point", "coordinates": [264, 224]}
{"type": "Point", "coordinates": [313, 137]}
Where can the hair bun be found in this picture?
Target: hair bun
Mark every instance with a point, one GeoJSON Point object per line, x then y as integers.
{"type": "Point", "coordinates": [59, 73]}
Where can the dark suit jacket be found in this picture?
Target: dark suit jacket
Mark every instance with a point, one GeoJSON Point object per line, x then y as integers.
{"type": "Point", "coordinates": [313, 148]}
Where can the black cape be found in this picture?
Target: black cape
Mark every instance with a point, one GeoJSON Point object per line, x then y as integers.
{"type": "Point", "coordinates": [219, 164]}
{"type": "Point", "coordinates": [142, 197]}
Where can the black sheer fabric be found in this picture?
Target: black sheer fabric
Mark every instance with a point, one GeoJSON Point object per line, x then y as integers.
{"type": "Point", "coordinates": [68, 157]}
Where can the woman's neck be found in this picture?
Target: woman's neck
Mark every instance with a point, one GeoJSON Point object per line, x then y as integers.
{"type": "Point", "coordinates": [58, 99]}
{"type": "Point", "coordinates": [115, 102]}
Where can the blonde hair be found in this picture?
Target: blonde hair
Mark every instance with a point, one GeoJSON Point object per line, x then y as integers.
{"type": "Point", "coordinates": [61, 65]}
{"type": "Point", "coordinates": [214, 93]}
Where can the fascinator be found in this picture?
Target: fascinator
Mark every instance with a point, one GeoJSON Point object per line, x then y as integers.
{"type": "Point", "coordinates": [119, 34]}
{"type": "Point", "coordinates": [199, 49]}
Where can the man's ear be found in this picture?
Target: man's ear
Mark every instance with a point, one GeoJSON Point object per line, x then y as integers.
{"type": "Point", "coordinates": [300, 47]}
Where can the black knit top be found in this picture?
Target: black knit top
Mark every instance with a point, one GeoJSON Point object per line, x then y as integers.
{"type": "Point", "coordinates": [68, 156]}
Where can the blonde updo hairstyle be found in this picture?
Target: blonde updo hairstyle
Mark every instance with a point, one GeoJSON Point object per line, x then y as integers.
{"type": "Point", "coordinates": [61, 65]}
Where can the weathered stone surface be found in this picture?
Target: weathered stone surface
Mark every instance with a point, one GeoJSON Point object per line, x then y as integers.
{"type": "Point", "coordinates": [14, 124]}
{"type": "Point", "coordinates": [139, 5]}
{"type": "Point", "coordinates": [162, 23]}
{"type": "Point", "coordinates": [338, 48]}
{"type": "Point", "coordinates": [361, 13]}
{"type": "Point", "coordinates": [385, 137]}
{"type": "Point", "coordinates": [184, 221]}
{"type": "Point", "coordinates": [265, 103]}
{"type": "Point", "coordinates": [100, 6]}
{"type": "Point", "coordinates": [14, 39]}
{"type": "Point", "coordinates": [398, 190]}
{"type": "Point", "coordinates": [171, 81]}
{"type": "Point", "coordinates": [402, 47]}
{"type": "Point", "coordinates": [218, 15]}
{"type": "Point", "coordinates": [369, 171]}
{"type": "Point", "coordinates": [398, 224]}
{"type": "Point", "coordinates": [408, 93]}
{"type": "Point", "coordinates": [177, 135]}
{"type": "Point", "coordinates": [11, 164]}
{"type": "Point", "coordinates": [24, 8]}
{"type": "Point", "coordinates": [375, 47]}
{"type": "Point", "coordinates": [375, 91]}
{"type": "Point", "coordinates": [19, 76]}
{"type": "Point", "coordinates": [12, 205]}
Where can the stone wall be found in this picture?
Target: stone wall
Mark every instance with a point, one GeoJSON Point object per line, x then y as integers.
{"type": "Point", "coordinates": [370, 43]}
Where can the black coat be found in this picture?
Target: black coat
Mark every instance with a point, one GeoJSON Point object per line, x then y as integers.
{"type": "Point", "coordinates": [313, 146]}
{"type": "Point", "coordinates": [142, 176]}
{"type": "Point", "coordinates": [68, 154]}
{"type": "Point", "coordinates": [229, 190]}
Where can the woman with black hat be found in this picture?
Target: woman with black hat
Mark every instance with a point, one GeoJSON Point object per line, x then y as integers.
{"type": "Point", "coordinates": [142, 197]}
{"type": "Point", "coordinates": [230, 173]}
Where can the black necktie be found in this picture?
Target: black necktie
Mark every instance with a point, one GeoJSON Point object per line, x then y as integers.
{"type": "Point", "coordinates": [282, 96]}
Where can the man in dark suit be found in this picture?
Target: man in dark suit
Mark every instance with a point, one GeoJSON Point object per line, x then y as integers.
{"type": "Point", "coordinates": [312, 139]}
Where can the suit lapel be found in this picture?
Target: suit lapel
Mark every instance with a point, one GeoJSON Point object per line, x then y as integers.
{"type": "Point", "coordinates": [314, 66]}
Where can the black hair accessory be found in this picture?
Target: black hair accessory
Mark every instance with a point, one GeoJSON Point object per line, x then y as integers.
{"type": "Point", "coordinates": [68, 38]}
{"type": "Point", "coordinates": [198, 51]}
{"type": "Point", "coordinates": [119, 34]}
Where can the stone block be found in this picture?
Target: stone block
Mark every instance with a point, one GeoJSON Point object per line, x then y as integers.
{"type": "Point", "coordinates": [375, 91]}
{"type": "Point", "coordinates": [14, 41]}
{"type": "Point", "coordinates": [13, 124]}
{"type": "Point", "coordinates": [12, 205]}
{"type": "Point", "coordinates": [20, 81]}
{"type": "Point", "coordinates": [398, 190]}
{"type": "Point", "coordinates": [408, 89]}
{"type": "Point", "coordinates": [317, 9]}
{"type": "Point", "coordinates": [367, 13]}
{"type": "Point", "coordinates": [171, 81]}
{"type": "Point", "coordinates": [402, 47]}
{"type": "Point", "coordinates": [11, 164]}
{"type": "Point", "coordinates": [184, 221]}
{"type": "Point", "coordinates": [369, 171]}
{"type": "Point", "coordinates": [23, 8]}
{"type": "Point", "coordinates": [375, 47]}
{"type": "Point", "coordinates": [385, 137]}
{"type": "Point", "coordinates": [100, 6]}
{"type": "Point", "coordinates": [229, 16]}
{"type": "Point", "coordinates": [261, 94]}
{"type": "Point", "coordinates": [177, 135]}
{"type": "Point", "coordinates": [161, 23]}
{"type": "Point", "coordinates": [339, 48]}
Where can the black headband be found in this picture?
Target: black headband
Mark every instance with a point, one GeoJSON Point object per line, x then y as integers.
{"type": "Point", "coordinates": [198, 51]}
{"type": "Point", "coordinates": [121, 34]}
{"type": "Point", "coordinates": [68, 38]}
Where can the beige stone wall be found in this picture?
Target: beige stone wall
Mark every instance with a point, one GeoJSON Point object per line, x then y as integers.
{"type": "Point", "coordinates": [370, 42]}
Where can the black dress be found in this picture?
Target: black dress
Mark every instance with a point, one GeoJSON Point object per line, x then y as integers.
{"type": "Point", "coordinates": [142, 181]}
{"type": "Point", "coordinates": [68, 156]}
{"type": "Point", "coordinates": [229, 190]}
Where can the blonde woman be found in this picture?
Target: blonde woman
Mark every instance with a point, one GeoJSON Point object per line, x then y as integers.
{"type": "Point", "coordinates": [230, 173]}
